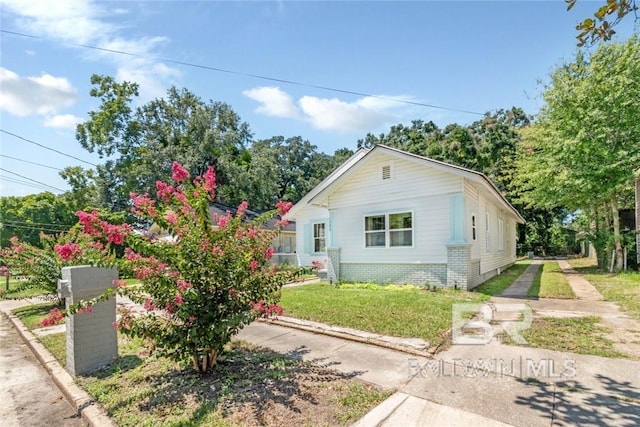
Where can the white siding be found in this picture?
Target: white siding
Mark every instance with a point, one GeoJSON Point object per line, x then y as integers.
{"type": "Point", "coordinates": [472, 207]}
{"type": "Point", "coordinates": [412, 188]}
{"type": "Point", "coordinates": [494, 258]}
{"type": "Point", "coordinates": [304, 220]}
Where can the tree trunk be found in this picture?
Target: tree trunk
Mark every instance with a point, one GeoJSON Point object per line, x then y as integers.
{"type": "Point", "coordinates": [204, 364]}
{"type": "Point", "coordinates": [617, 238]}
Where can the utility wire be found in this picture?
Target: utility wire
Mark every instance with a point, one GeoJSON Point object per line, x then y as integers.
{"type": "Point", "coordinates": [29, 179]}
{"type": "Point", "coordinates": [45, 147]}
{"type": "Point", "coordinates": [255, 76]}
{"type": "Point", "coordinates": [46, 224]}
{"type": "Point", "coordinates": [21, 182]}
{"type": "Point", "coordinates": [31, 228]}
{"type": "Point", "coordinates": [27, 161]}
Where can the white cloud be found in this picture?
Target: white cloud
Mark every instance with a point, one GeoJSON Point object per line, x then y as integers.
{"type": "Point", "coordinates": [62, 121]}
{"type": "Point", "coordinates": [329, 114]}
{"type": "Point", "coordinates": [84, 22]}
{"type": "Point", "coordinates": [24, 96]}
{"type": "Point", "coordinates": [274, 102]}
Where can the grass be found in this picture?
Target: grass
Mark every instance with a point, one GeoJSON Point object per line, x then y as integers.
{"type": "Point", "coordinates": [622, 288]}
{"type": "Point", "coordinates": [388, 310]}
{"type": "Point", "coordinates": [497, 284]}
{"type": "Point", "coordinates": [550, 282]}
{"type": "Point", "coordinates": [19, 289]}
{"type": "Point", "coordinates": [32, 315]}
{"type": "Point", "coordinates": [250, 385]}
{"type": "Point", "coordinates": [57, 345]}
{"type": "Point", "coordinates": [582, 335]}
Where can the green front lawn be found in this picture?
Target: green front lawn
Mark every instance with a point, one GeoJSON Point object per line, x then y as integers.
{"type": "Point", "coordinates": [551, 282]}
{"type": "Point", "coordinates": [622, 288]}
{"type": "Point", "coordinates": [582, 335]}
{"type": "Point", "coordinates": [497, 284]}
{"type": "Point", "coordinates": [388, 310]}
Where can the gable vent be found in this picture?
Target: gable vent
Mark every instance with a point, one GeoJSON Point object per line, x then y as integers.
{"type": "Point", "coordinates": [386, 172]}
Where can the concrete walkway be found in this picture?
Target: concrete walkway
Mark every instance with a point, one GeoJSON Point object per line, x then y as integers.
{"type": "Point", "coordinates": [581, 287]}
{"type": "Point", "coordinates": [521, 285]}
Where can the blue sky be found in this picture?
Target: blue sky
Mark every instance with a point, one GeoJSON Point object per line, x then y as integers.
{"type": "Point", "coordinates": [472, 56]}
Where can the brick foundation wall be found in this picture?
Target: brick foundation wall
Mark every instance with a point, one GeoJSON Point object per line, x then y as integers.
{"type": "Point", "coordinates": [458, 264]}
{"type": "Point", "coordinates": [413, 274]}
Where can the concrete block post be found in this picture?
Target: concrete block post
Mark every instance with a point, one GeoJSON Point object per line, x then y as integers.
{"type": "Point", "coordinates": [333, 265]}
{"type": "Point", "coordinates": [91, 337]}
{"type": "Point", "coordinates": [458, 265]}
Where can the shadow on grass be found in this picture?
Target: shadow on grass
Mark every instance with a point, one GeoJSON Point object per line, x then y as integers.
{"type": "Point", "coordinates": [571, 403]}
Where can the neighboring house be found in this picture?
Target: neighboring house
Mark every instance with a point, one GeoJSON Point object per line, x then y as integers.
{"type": "Point", "coordinates": [388, 216]}
{"type": "Point", "coordinates": [284, 243]}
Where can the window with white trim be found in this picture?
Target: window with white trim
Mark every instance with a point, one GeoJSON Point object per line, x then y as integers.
{"type": "Point", "coordinates": [319, 239]}
{"type": "Point", "coordinates": [473, 227]}
{"type": "Point", "coordinates": [388, 230]}
{"type": "Point", "coordinates": [487, 231]}
{"type": "Point", "coordinates": [500, 235]}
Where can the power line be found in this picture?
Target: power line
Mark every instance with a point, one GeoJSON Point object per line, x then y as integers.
{"type": "Point", "coordinates": [21, 182]}
{"type": "Point", "coordinates": [27, 161]}
{"type": "Point", "coordinates": [32, 228]}
{"type": "Point", "coordinates": [45, 147]}
{"type": "Point", "coordinates": [255, 76]}
{"type": "Point", "coordinates": [29, 179]}
{"type": "Point", "coordinates": [47, 224]}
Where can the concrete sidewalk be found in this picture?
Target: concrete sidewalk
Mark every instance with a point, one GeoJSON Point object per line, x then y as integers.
{"type": "Point", "coordinates": [475, 384]}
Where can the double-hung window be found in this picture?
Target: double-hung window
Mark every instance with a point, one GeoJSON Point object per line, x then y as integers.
{"type": "Point", "coordinates": [388, 230]}
{"type": "Point", "coordinates": [500, 235]}
{"type": "Point", "coordinates": [319, 239]}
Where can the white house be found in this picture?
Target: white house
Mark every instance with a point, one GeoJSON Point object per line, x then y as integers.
{"type": "Point", "coordinates": [388, 216]}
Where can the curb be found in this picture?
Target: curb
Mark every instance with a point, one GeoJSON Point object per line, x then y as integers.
{"type": "Point", "coordinates": [371, 341]}
{"type": "Point", "coordinates": [90, 410]}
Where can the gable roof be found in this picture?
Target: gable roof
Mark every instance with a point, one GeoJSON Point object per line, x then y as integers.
{"type": "Point", "coordinates": [356, 161]}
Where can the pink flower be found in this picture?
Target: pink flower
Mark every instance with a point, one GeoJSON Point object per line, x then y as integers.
{"type": "Point", "coordinates": [254, 265]}
{"type": "Point", "coordinates": [269, 253]}
{"type": "Point", "coordinates": [179, 173]}
{"type": "Point", "coordinates": [87, 309]}
{"type": "Point", "coordinates": [149, 305]}
{"type": "Point", "coordinates": [183, 285]}
{"type": "Point", "coordinates": [224, 220]}
{"type": "Point", "coordinates": [242, 209]}
{"type": "Point", "coordinates": [210, 182]}
{"type": "Point", "coordinates": [165, 191]}
{"type": "Point", "coordinates": [233, 293]}
{"type": "Point", "coordinates": [120, 283]}
{"type": "Point", "coordinates": [283, 207]}
{"type": "Point", "coordinates": [171, 218]}
{"type": "Point", "coordinates": [68, 251]}
{"type": "Point", "coordinates": [178, 300]}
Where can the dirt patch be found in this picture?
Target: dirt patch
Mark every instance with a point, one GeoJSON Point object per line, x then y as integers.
{"type": "Point", "coordinates": [250, 386]}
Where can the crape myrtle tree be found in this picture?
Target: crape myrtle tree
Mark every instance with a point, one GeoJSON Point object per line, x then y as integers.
{"type": "Point", "coordinates": [584, 149]}
{"type": "Point", "coordinates": [202, 287]}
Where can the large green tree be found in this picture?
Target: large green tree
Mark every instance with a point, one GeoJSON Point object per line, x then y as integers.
{"type": "Point", "coordinates": [28, 216]}
{"type": "Point", "coordinates": [584, 149]}
{"type": "Point", "coordinates": [141, 143]}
